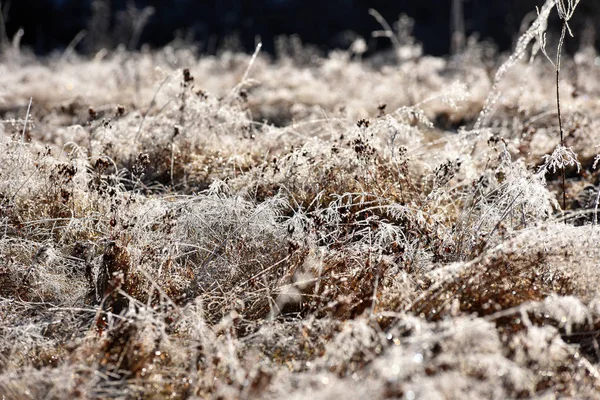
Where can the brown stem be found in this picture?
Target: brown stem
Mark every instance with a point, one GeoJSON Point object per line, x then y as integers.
{"type": "Point", "coordinates": [560, 127]}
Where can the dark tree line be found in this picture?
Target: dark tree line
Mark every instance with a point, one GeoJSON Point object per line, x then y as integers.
{"type": "Point", "coordinates": [52, 24]}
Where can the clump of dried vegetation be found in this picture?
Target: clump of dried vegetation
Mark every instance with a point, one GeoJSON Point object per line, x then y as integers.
{"type": "Point", "coordinates": [303, 227]}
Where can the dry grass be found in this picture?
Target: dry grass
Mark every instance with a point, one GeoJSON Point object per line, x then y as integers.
{"type": "Point", "coordinates": [324, 227]}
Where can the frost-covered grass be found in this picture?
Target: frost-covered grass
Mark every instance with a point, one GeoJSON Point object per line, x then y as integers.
{"type": "Point", "coordinates": [303, 227]}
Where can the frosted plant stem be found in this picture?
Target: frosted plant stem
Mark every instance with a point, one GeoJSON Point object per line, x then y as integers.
{"type": "Point", "coordinates": [247, 72]}
{"type": "Point", "coordinates": [596, 208]}
{"type": "Point", "coordinates": [560, 127]}
{"type": "Point", "coordinates": [532, 33]}
{"type": "Point", "coordinates": [25, 129]}
{"type": "Point", "coordinates": [560, 44]}
{"type": "Point", "coordinates": [387, 29]}
{"type": "Point", "coordinates": [26, 121]}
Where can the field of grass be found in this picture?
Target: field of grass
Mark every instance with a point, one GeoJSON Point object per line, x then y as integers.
{"type": "Point", "coordinates": [305, 226]}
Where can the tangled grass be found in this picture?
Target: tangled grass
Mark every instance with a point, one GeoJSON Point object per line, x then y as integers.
{"type": "Point", "coordinates": [304, 227]}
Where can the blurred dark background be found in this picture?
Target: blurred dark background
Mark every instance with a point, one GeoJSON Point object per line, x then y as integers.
{"type": "Point", "coordinates": [49, 25]}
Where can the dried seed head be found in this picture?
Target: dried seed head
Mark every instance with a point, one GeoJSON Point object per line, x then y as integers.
{"type": "Point", "coordinates": [187, 76]}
